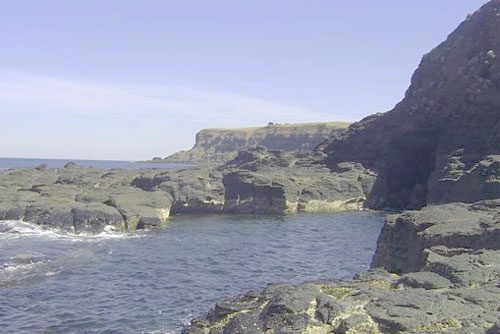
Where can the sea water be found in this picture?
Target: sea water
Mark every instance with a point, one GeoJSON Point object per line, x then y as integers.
{"type": "Point", "coordinates": [6, 163]}
{"type": "Point", "coordinates": [156, 281]}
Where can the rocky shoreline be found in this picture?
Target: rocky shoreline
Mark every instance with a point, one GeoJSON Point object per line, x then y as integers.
{"type": "Point", "coordinates": [435, 157]}
{"type": "Point", "coordinates": [88, 200]}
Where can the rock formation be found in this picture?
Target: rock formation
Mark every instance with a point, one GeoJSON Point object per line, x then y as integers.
{"type": "Point", "coordinates": [261, 181]}
{"type": "Point", "coordinates": [442, 142]}
{"type": "Point", "coordinates": [222, 145]}
{"type": "Point", "coordinates": [87, 200]}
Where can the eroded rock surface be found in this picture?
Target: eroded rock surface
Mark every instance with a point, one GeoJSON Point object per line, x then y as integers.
{"type": "Point", "coordinates": [87, 200]}
{"type": "Point", "coordinates": [258, 180]}
{"type": "Point", "coordinates": [80, 199]}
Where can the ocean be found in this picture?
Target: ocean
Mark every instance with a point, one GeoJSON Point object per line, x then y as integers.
{"type": "Point", "coordinates": [6, 163]}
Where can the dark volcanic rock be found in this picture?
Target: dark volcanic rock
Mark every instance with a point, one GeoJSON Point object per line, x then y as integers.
{"type": "Point", "coordinates": [262, 181]}
{"type": "Point", "coordinates": [79, 199]}
{"type": "Point", "coordinates": [88, 200]}
{"type": "Point", "coordinates": [407, 239]}
{"type": "Point", "coordinates": [442, 142]}
{"type": "Point", "coordinates": [194, 190]}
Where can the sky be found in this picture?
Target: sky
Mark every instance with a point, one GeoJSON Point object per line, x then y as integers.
{"type": "Point", "coordinates": [134, 79]}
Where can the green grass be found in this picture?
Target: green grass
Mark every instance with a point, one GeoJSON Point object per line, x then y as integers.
{"type": "Point", "coordinates": [342, 125]}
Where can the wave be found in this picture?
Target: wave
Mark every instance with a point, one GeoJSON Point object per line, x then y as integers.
{"type": "Point", "coordinates": [24, 268]}
{"type": "Point", "coordinates": [13, 229]}
{"type": "Point", "coordinates": [35, 265]}
{"type": "Point", "coordinates": [30, 252]}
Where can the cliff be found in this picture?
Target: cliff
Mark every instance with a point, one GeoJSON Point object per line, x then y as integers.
{"type": "Point", "coordinates": [441, 143]}
{"type": "Point", "coordinates": [220, 145]}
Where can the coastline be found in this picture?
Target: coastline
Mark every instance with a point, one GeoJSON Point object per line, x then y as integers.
{"type": "Point", "coordinates": [435, 157]}
{"type": "Point", "coordinates": [84, 199]}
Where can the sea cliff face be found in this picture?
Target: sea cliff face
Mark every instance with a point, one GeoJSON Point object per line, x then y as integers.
{"type": "Point", "coordinates": [222, 145]}
{"type": "Point", "coordinates": [441, 143]}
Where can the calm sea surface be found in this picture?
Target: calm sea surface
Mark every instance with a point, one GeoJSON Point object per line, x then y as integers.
{"type": "Point", "coordinates": [155, 281]}
{"type": "Point", "coordinates": [6, 163]}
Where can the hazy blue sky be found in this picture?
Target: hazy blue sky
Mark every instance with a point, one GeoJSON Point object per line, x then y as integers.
{"type": "Point", "coordinates": [122, 79]}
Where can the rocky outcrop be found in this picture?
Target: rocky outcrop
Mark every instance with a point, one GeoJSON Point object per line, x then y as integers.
{"type": "Point", "coordinates": [447, 260]}
{"type": "Point", "coordinates": [222, 145]}
{"type": "Point", "coordinates": [80, 199]}
{"type": "Point", "coordinates": [409, 240]}
{"type": "Point", "coordinates": [442, 142]}
{"type": "Point", "coordinates": [193, 190]}
{"type": "Point", "coordinates": [88, 200]}
{"type": "Point", "coordinates": [274, 182]}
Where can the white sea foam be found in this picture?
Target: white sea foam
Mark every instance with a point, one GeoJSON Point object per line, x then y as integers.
{"type": "Point", "coordinates": [25, 268]}
{"type": "Point", "coordinates": [187, 319]}
{"type": "Point", "coordinates": [13, 229]}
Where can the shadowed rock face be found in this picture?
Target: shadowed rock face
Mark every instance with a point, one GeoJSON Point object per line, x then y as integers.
{"type": "Point", "coordinates": [442, 142]}
{"type": "Point", "coordinates": [222, 145]}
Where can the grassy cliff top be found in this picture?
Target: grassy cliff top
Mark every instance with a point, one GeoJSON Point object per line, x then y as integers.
{"type": "Point", "coordinates": [342, 125]}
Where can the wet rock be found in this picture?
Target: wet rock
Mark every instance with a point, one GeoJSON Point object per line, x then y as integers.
{"type": "Point", "coordinates": [495, 329]}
